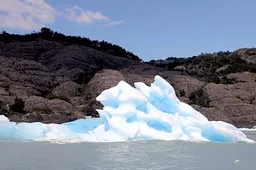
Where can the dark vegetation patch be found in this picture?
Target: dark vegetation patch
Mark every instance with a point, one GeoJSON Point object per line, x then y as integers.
{"type": "Point", "coordinates": [3, 109]}
{"type": "Point", "coordinates": [181, 93]}
{"type": "Point", "coordinates": [211, 68]}
{"type": "Point", "coordinates": [18, 105]}
{"type": "Point", "coordinates": [199, 98]}
{"type": "Point", "coordinates": [220, 80]}
{"type": "Point", "coordinates": [239, 67]}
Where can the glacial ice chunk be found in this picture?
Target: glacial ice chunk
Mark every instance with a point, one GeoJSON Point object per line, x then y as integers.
{"type": "Point", "coordinates": [131, 113]}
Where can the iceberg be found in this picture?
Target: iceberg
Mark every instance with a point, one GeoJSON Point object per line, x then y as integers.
{"type": "Point", "coordinates": [131, 113]}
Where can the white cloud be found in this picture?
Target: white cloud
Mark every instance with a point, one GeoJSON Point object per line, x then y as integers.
{"type": "Point", "coordinates": [35, 14]}
{"type": "Point", "coordinates": [114, 23]}
{"type": "Point", "coordinates": [79, 15]}
{"type": "Point", "coordinates": [26, 14]}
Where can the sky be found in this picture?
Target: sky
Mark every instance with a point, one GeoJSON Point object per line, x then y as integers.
{"type": "Point", "coordinates": [152, 29]}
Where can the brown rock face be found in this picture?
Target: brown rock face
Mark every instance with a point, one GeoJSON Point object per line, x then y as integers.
{"type": "Point", "coordinates": [185, 85]}
{"type": "Point", "coordinates": [51, 79]}
{"type": "Point", "coordinates": [66, 90]}
{"type": "Point", "coordinates": [49, 111]}
{"type": "Point", "coordinates": [233, 103]}
{"type": "Point", "coordinates": [101, 81]}
{"type": "Point", "coordinates": [243, 77]}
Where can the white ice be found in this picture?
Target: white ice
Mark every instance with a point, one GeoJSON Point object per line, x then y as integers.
{"type": "Point", "coordinates": [253, 129]}
{"type": "Point", "coordinates": [140, 113]}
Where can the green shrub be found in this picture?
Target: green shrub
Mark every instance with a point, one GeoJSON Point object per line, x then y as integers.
{"type": "Point", "coordinates": [199, 98]}
{"type": "Point", "coordinates": [239, 67]}
{"type": "Point", "coordinates": [225, 80]}
{"type": "Point", "coordinates": [222, 80]}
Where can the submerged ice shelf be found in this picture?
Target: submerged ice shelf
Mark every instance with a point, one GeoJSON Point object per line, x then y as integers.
{"type": "Point", "coordinates": [143, 112]}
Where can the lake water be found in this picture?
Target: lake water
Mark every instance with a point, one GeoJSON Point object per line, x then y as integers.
{"type": "Point", "coordinates": [175, 155]}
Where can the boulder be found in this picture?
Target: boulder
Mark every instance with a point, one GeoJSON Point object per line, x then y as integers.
{"type": "Point", "coordinates": [37, 104]}
{"type": "Point", "coordinates": [216, 91]}
{"type": "Point", "coordinates": [103, 80]}
{"type": "Point", "coordinates": [65, 110]}
{"type": "Point", "coordinates": [66, 90]}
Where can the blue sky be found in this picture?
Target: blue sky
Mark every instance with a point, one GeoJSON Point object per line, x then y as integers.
{"type": "Point", "coordinates": [149, 28]}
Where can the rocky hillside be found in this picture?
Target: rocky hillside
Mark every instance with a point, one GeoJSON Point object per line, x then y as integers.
{"type": "Point", "coordinates": [51, 81]}
{"type": "Point", "coordinates": [45, 81]}
{"type": "Point", "coordinates": [212, 67]}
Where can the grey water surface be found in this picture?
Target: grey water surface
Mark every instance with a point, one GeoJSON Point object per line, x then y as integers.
{"type": "Point", "coordinates": [174, 155]}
